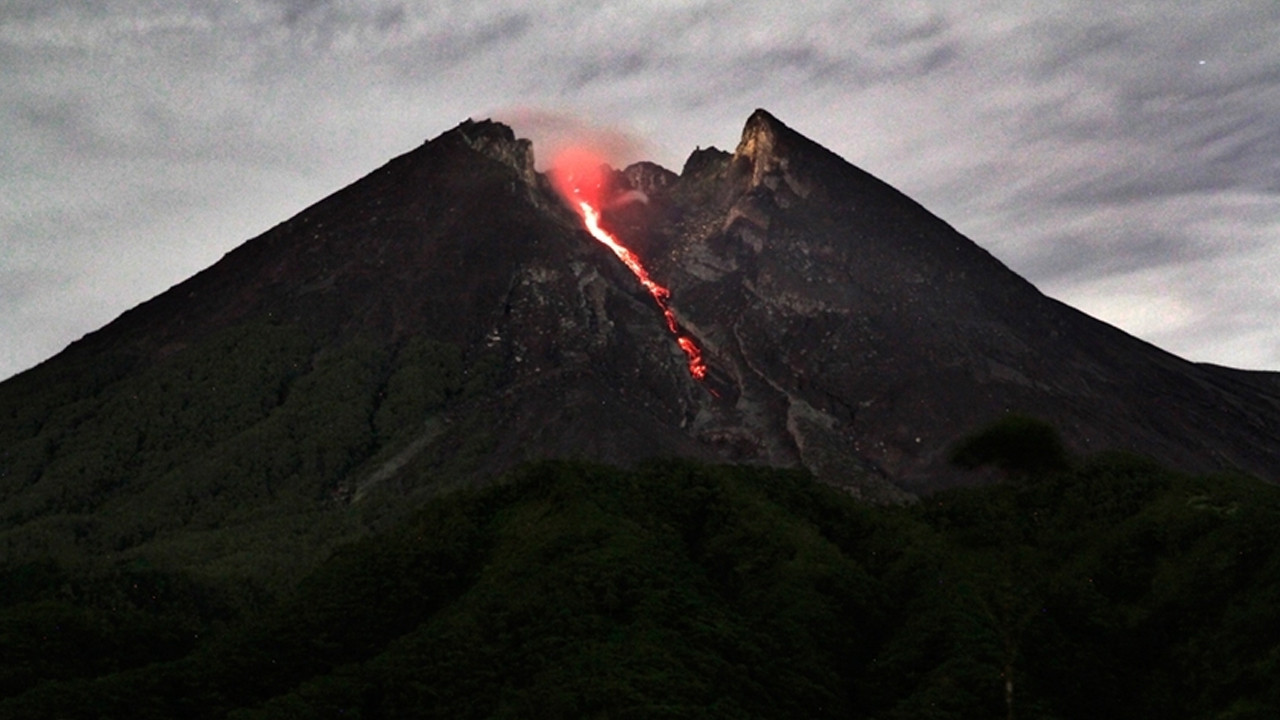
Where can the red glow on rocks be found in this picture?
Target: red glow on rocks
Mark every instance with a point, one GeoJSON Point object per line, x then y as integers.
{"type": "Point", "coordinates": [579, 176]}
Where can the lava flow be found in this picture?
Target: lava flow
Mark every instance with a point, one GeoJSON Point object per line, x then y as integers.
{"type": "Point", "coordinates": [579, 178]}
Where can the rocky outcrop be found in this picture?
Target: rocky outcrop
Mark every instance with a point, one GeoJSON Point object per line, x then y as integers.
{"type": "Point", "coordinates": [864, 336]}
{"type": "Point", "coordinates": [499, 142]}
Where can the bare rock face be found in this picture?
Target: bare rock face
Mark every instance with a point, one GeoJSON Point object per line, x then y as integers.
{"type": "Point", "coordinates": [498, 142]}
{"type": "Point", "coordinates": [646, 177]}
{"type": "Point", "coordinates": [847, 330]}
{"type": "Point", "coordinates": [861, 336]}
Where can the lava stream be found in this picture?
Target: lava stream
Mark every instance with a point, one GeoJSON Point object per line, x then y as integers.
{"type": "Point", "coordinates": [661, 296]}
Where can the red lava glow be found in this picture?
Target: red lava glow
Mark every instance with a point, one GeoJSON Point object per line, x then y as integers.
{"type": "Point", "coordinates": [579, 176]}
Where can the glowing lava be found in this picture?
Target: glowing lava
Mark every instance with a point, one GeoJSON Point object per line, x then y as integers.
{"type": "Point", "coordinates": [579, 177]}
{"type": "Point", "coordinates": [661, 295]}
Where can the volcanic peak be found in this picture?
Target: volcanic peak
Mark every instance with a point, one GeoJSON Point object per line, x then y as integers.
{"type": "Point", "coordinates": [499, 142]}
{"type": "Point", "coordinates": [648, 177]}
{"type": "Point", "coordinates": [770, 149]}
{"type": "Point", "coordinates": [759, 140]}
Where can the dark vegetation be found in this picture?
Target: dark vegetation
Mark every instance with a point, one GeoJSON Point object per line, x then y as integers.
{"type": "Point", "coordinates": [235, 457]}
{"type": "Point", "coordinates": [1106, 587]}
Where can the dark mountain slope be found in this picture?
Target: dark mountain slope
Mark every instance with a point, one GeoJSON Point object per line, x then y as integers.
{"type": "Point", "coordinates": [883, 330]}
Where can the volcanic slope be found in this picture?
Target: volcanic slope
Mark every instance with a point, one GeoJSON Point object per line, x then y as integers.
{"type": "Point", "coordinates": [448, 317]}
{"type": "Point", "coordinates": [876, 333]}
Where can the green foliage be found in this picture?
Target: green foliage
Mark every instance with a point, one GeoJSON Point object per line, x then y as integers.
{"type": "Point", "coordinates": [243, 435]}
{"type": "Point", "coordinates": [1016, 444]}
{"type": "Point", "coordinates": [1107, 588]}
{"type": "Point", "coordinates": [60, 625]}
{"type": "Point", "coordinates": [571, 590]}
{"type": "Point", "coordinates": [426, 375]}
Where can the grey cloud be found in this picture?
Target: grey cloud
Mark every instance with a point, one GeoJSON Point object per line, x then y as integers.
{"type": "Point", "coordinates": [609, 68]}
{"type": "Point", "coordinates": [346, 29]}
{"type": "Point", "coordinates": [62, 118]}
{"type": "Point", "coordinates": [1066, 46]}
{"type": "Point", "coordinates": [456, 45]}
{"type": "Point", "coordinates": [896, 31]}
{"type": "Point", "coordinates": [41, 9]}
{"type": "Point", "coordinates": [915, 55]}
{"type": "Point", "coordinates": [1111, 250]}
{"type": "Point", "coordinates": [742, 49]}
{"type": "Point", "coordinates": [295, 11]}
{"type": "Point", "coordinates": [77, 124]}
{"type": "Point", "coordinates": [22, 284]}
{"type": "Point", "coordinates": [391, 18]}
{"type": "Point", "coordinates": [1131, 115]}
{"type": "Point", "coordinates": [447, 46]}
{"type": "Point", "coordinates": [1138, 156]}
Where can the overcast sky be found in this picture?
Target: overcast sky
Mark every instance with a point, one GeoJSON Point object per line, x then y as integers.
{"type": "Point", "coordinates": [1124, 157]}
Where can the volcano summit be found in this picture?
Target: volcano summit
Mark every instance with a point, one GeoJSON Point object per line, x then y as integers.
{"type": "Point", "coordinates": [450, 316]}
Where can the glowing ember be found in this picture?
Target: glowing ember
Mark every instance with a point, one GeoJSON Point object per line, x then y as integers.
{"type": "Point", "coordinates": [579, 178]}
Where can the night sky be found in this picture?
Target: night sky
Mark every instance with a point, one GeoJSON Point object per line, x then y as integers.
{"type": "Point", "coordinates": [1124, 157]}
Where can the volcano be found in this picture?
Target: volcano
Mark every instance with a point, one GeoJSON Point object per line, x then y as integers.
{"type": "Point", "coordinates": [450, 316]}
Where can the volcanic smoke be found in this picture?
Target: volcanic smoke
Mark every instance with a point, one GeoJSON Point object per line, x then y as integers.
{"type": "Point", "coordinates": [578, 175]}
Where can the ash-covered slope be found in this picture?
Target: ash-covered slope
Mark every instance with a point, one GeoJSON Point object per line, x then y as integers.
{"type": "Point", "coordinates": [448, 317]}
{"type": "Point", "coordinates": [880, 333]}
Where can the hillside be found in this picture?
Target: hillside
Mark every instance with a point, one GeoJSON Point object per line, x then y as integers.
{"type": "Point", "coordinates": [1112, 589]}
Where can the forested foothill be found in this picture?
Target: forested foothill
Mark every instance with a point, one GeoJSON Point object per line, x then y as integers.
{"type": "Point", "coordinates": [1103, 586]}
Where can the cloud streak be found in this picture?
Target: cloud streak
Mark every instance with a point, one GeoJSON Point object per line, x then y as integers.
{"type": "Point", "coordinates": [1122, 157]}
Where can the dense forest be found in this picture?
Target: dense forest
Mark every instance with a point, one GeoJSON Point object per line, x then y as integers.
{"type": "Point", "coordinates": [1064, 587]}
